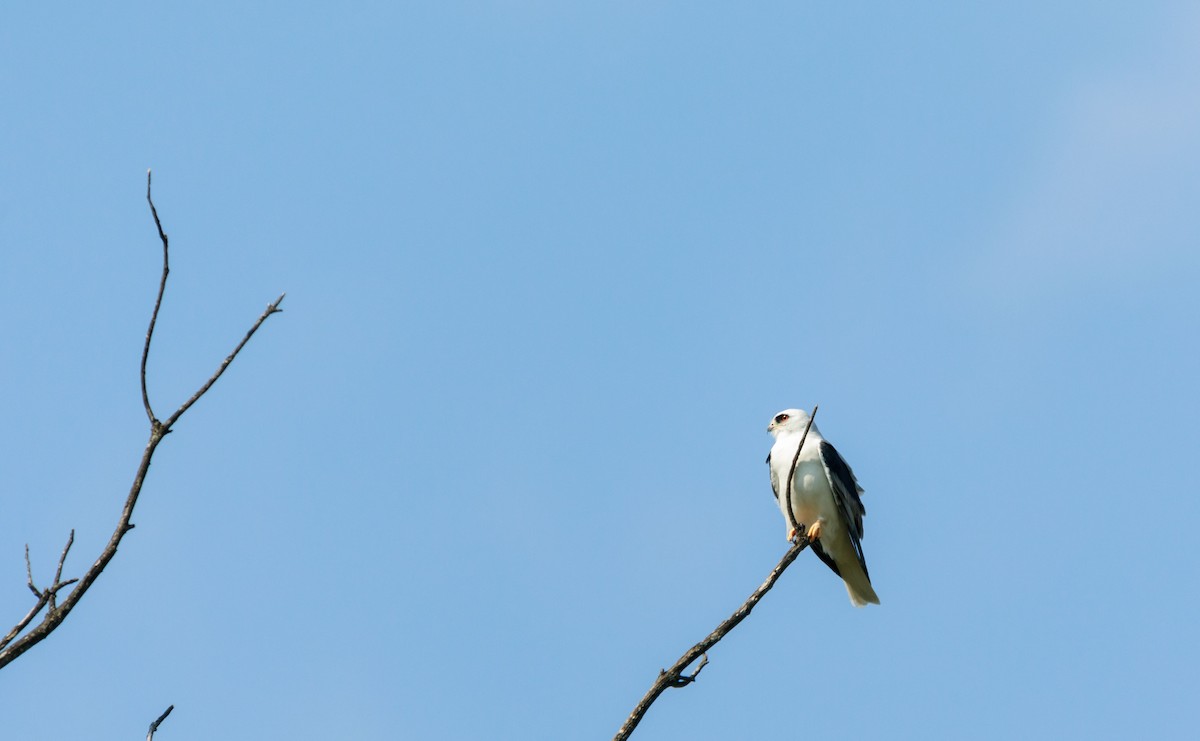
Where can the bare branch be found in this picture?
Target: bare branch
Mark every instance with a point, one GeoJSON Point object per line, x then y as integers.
{"type": "Point", "coordinates": [674, 677]}
{"type": "Point", "coordinates": [10, 649]}
{"type": "Point", "coordinates": [162, 286]}
{"type": "Point", "coordinates": [154, 726]}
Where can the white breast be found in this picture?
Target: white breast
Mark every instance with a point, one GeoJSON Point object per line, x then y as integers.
{"type": "Point", "coordinates": [811, 496]}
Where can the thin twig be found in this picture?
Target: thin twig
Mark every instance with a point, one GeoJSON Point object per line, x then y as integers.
{"type": "Point", "coordinates": [61, 559]}
{"type": "Point", "coordinates": [42, 599]}
{"type": "Point", "coordinates": [58, 582]}
{"type": "Point", "coordinates": [162, 286]}
{"type": "Point", "coordinates": [10, 649]}
{"type": "Point", "coordinates": [272, 308]}
{"type": "Point", "coordinates": [29, 573]}
{"type": "Point", "coordinates": [25, 621]}
{"type": "Point", "coordinates": [685, 681]}
{"type": "Point", "coordinates": [154, 726]}
{"type": "Point", "coordinates": [792, 473]}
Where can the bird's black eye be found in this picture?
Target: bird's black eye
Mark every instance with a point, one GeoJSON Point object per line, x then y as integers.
{"type": "Point", "coordinates": [780, 418]}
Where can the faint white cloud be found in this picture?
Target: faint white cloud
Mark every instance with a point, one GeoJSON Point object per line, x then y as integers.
{"type": "Point", "coordinates": [1117, 198]}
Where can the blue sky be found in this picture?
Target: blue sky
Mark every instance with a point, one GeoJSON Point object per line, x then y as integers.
{"type": "Point", "coordinates": [551, 268]}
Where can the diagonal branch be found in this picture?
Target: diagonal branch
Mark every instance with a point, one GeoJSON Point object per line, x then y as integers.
{"type": "Point", "coordinates": [25, 621]}
{"type": "Point", "coordinates": [673, 677]}
{"type": "Point", "coordinates": [12, 647]}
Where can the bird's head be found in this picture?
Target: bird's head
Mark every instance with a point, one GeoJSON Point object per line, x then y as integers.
{"type": "Point", "coordinates": [789, 420]}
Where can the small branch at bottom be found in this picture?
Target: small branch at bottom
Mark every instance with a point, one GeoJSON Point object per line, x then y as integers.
{"type": "Point", "coordinates": [157, 722]}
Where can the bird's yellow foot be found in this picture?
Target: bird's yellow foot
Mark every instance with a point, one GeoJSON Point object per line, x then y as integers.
{"type": "Point", "coordinates": [792, 535]}
{"type": "Point", "coordinates": [814, 531]}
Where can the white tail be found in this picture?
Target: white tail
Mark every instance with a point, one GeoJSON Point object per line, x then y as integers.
{"type": "Point", "coordinates": [858, 586]}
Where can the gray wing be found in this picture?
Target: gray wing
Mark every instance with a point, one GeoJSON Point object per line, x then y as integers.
{"type": "Point", "coordinates": [847, 494]}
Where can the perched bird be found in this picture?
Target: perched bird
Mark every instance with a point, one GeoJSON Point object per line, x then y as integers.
{"type": "Point", "coordinates": [825, 498]}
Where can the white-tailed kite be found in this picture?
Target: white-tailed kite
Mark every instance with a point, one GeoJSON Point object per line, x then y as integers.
{"type": "Point", "coordinates": [825, 498]}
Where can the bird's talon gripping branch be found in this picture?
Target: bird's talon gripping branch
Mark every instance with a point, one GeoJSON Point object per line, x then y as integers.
{"type": "Point", "coordinates": [814, 531]}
